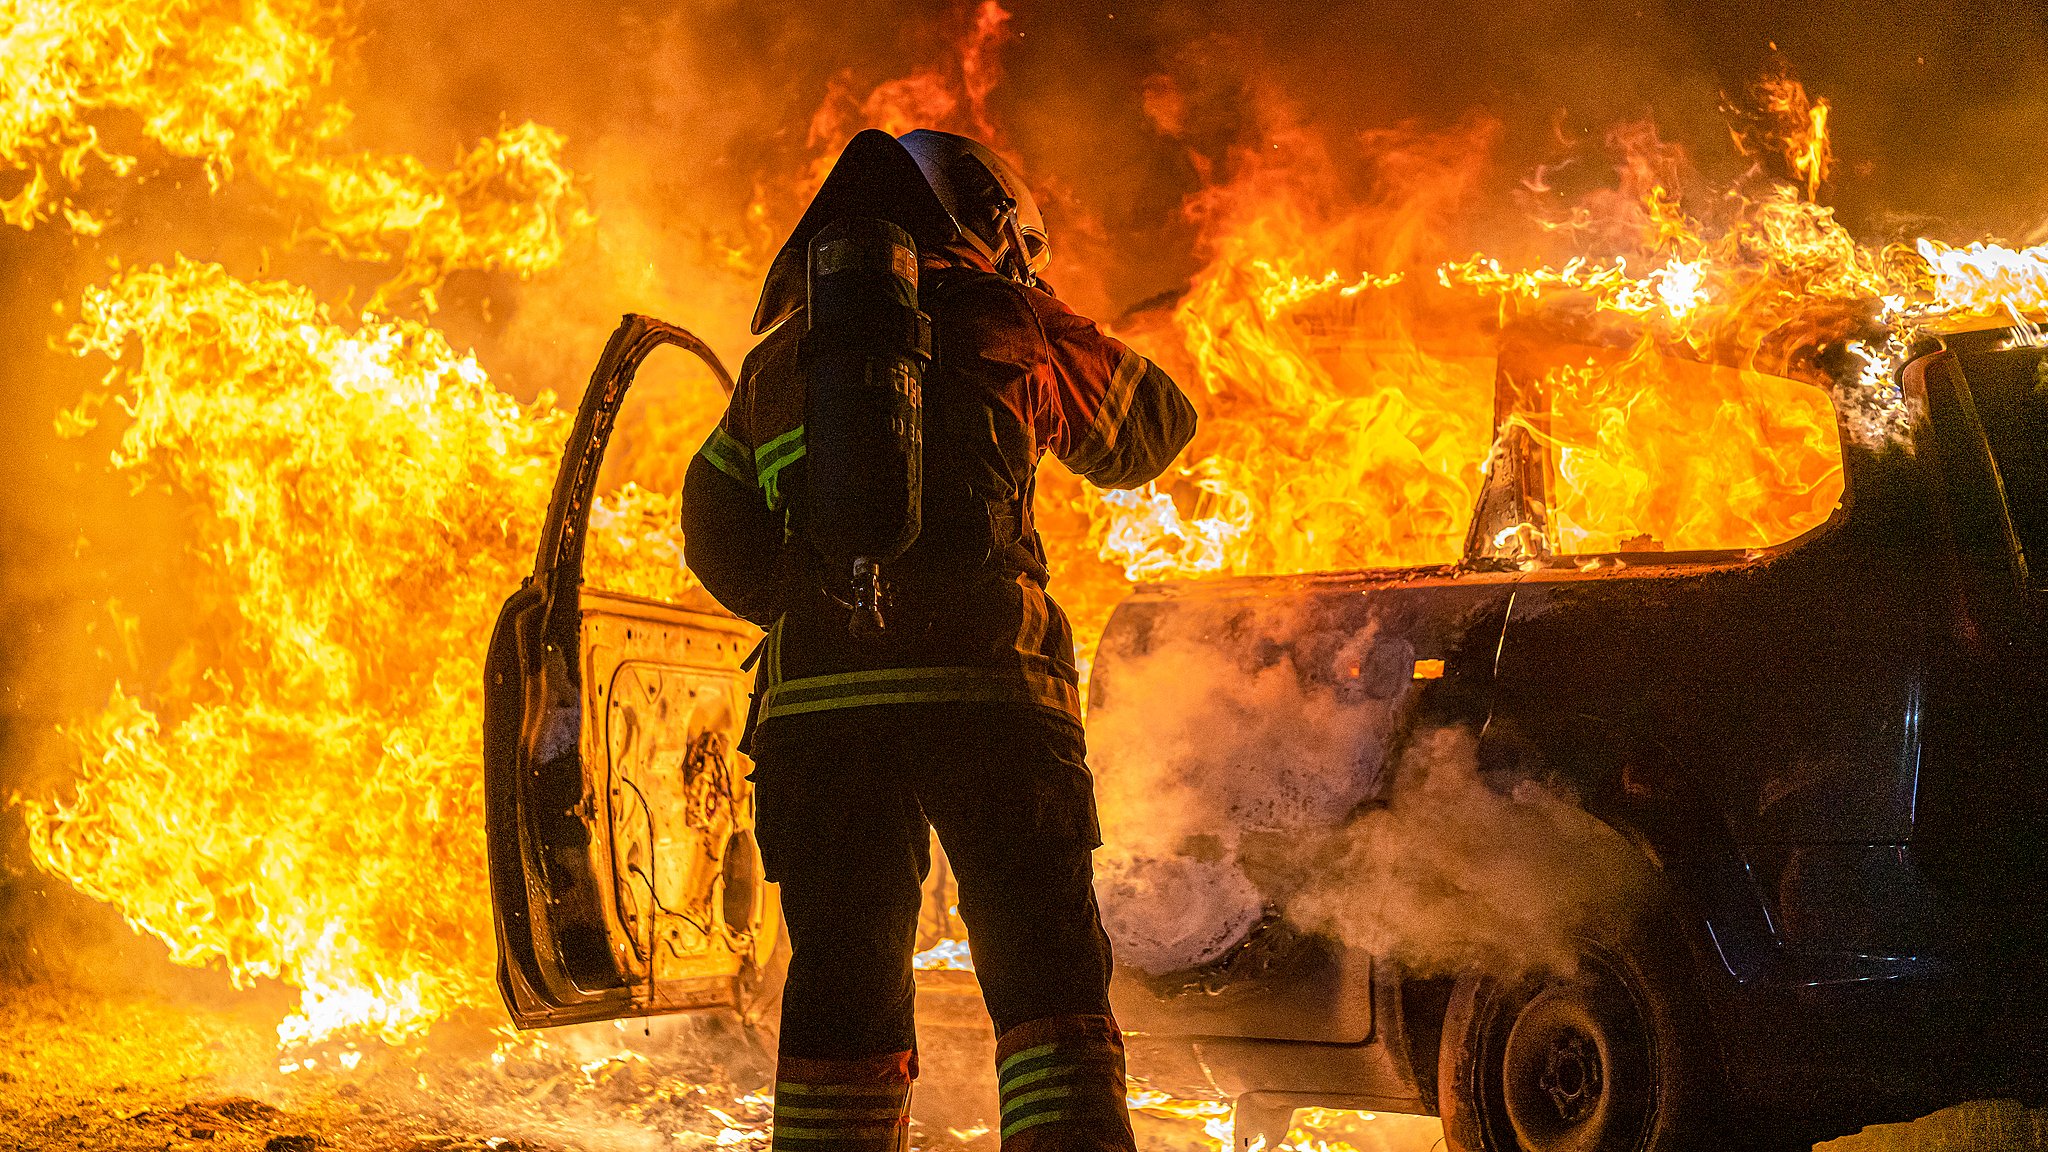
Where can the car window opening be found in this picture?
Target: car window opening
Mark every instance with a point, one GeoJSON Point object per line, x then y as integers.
{"type": "Point", "coordinates": [1642, 454]}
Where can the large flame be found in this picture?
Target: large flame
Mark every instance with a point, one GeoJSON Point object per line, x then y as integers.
{"type": "Point", "coordinates": [1656, 455]}
{"type": "Point", "coordinates": [1377, 458]}
{"type": "Point", "coordinates": [1347, 411]}
{"type": "Point", "coordinates": [242, 89]}
{"type": "Point", "coordinates": [300, 797]}
{"type": "Point", "coordinates": [297, 796]}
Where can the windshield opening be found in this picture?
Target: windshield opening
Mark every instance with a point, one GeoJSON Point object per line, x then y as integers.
{"type": "Point", "coordinates": [1637, 453]}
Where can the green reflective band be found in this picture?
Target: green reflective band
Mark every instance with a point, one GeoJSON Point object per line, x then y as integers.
{"type": "Point", "coordinates": [729, 456]}
{"type": "Point", "coordinates": [1031, 1060]}
{"type": "Point", "coordinates": [1017, 1058]}
{"type": "Point", "coordinates": [773, 457]}
{"type": "Point", "coordinates": [919, 686]}
{"type": "Point", "coordinates": [1013, 1127]}
{"type": "Point", "coordinates": [784, 1132]}
{"type": "Point", "coordinates": [879, 1092]}
{"type": "Point", "coordinates": [1018, 1106]}
{"type": "Point", "coordinates": [884, 1113]}
{"type": "Point", "coordinates": [790, 441]}
{"type": "Point", "coordinates": [1026, 1078]}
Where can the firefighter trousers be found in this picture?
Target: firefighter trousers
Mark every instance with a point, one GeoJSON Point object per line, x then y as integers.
{"type": "Point", "coordinates": [845, 803]}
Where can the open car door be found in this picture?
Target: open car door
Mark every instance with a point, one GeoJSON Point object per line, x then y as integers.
{"type": "Point", "coordinates": [624, 876]}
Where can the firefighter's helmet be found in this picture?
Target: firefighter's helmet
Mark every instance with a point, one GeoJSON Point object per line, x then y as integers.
{"type": "Point", "coordinates": [937, 187]}
{"type": "Point", "coordinates": [986, 197]}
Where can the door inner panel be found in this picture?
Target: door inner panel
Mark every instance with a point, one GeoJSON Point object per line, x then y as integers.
{"type": "Point", "coordinates": [675, 801]}
{"type": "Point", "coordinates": [666, 705]}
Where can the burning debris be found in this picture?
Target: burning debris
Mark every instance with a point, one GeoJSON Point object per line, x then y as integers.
{"type": "Point", "coordinates": [118, 1070]}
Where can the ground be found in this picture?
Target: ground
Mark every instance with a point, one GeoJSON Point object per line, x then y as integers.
{"type": "Point", "coordinates": [87, 1071]}
{"type": "Point", "coordinates": [93, 1071]}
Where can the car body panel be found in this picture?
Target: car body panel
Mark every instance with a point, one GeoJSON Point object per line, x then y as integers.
{"type": "Point", "coordinates": [675, 799]}
{"type": "Point", "coordinates": [624, 876]}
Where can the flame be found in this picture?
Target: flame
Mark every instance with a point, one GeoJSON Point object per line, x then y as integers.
{"type": "Point", "coordinates": [1332, 435]}
{"type": "Point", "coordinates": [1212, 1115]}
{"type": "Point", "coordinates": [361, 496]}
{"type": "Point", "coordinates": [1795, 127]}
{"type": "Point", "coordinates": [946, 955]}
{"type": "Point", "coordinates": [953, 96]}
{"type": "Point", "coordinates": [240, 88]}
{"type": "Point", "coordinates": [1656, 455]}
{"type": "Point", "coordinates": [296, 796]}
{"type": "Point", "coordinates": [1985, 279]}
{"type": "Point", "coordinates": [1311, 1130]}
{"type": "Point", "coordinates": [1344, 412]}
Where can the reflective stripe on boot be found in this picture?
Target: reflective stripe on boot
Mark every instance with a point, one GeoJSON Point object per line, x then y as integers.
{"type": "Point", "coordinates": [1062, 1081]}
{"type": "Point", "coordinates": [843, 1105]}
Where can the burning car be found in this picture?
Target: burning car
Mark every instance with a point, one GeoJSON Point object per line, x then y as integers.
{"type": "Point", "coordinates": [1793, 810]}
{"type": "Point", "coordinates": [1781, 852]}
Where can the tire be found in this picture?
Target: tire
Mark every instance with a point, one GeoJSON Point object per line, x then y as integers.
{"type": "Point", "coordinates": [1614, 1057]}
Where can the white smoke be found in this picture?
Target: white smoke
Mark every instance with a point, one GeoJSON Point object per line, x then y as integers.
{"type": "Point", "coordinates": [1262, 769]}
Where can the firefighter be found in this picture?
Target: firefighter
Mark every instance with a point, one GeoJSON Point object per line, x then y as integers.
{"type": "Point", "coordinates": [956, 706]}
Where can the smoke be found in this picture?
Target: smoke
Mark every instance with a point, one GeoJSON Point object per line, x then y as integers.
{"type": "Point", "coordinates": [1261, 764]}
{"type": "Point", "coordinates": [1460, 872]}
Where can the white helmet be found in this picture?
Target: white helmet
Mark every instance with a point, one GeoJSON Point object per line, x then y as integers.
{"type": "Point", "coordinates": [986, 197]}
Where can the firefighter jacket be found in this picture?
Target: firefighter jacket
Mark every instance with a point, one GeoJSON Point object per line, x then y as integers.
{"type": "Point", "coordinates": [1015, 374]}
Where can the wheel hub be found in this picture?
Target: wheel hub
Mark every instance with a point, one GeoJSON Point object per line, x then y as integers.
{"type": "Point", "coordinates": [1571, 1075]}
{"type": "Point", "coordinates": [1575, 1068]}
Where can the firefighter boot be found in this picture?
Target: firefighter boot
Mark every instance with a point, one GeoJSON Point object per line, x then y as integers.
{"type": "Point", "coordinates": [1062, 1081]}
{"type": "Point", "coordinates": [844, 1105]}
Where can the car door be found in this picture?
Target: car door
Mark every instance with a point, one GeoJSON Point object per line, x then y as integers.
{"type": "Point", "coordinates": [624, 875]}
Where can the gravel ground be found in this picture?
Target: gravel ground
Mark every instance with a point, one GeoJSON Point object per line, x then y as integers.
{"type": "Point", "coordinates": [88, 1070]}
{"type": "Point", "coordinates": [91, 1071]}
{"type": "Point", "coordinates": [84, 1071]}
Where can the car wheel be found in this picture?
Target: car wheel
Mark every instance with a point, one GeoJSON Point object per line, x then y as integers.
{"type": "Point", "coordinates": [1612, 1057]}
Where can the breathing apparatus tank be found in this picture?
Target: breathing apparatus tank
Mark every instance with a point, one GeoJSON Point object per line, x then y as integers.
{"type": "Point", "coordinates": [863, 359]}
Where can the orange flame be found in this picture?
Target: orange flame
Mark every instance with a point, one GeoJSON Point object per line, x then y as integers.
{"type": "Point", "coordinates": [1779, 119]}
{"type": "Point", "coordinates": [240, 88]}
{"type": "Point", "coordinates": [1652, 454]}
{"type": "Point", "coordinates": [1332, 436]}
{"type": "Point", "coordinates": [1800, 128]}
{"type": "Point", "coordinates": [359, 500]}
